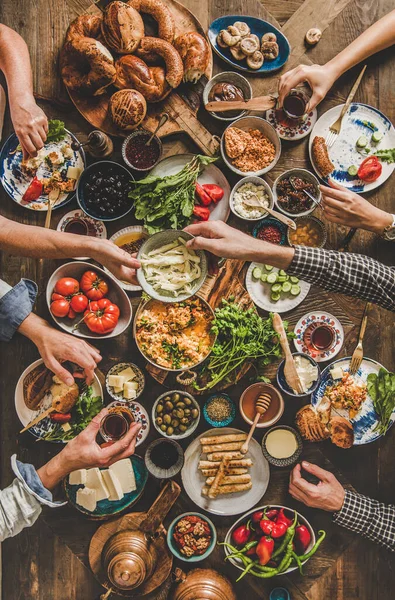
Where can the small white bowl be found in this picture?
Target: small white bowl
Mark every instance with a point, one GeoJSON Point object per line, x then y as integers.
{"type": "Point", "coordinates": [228, 77]}
{"type": "Point", "coordinates": [303, 174]}
{"type": "Point", "coordinates": [190, 429]}
{"type": "Point", "coordinates": [257, 181]}
{"type": "Point", "coordinates": [246, 123]}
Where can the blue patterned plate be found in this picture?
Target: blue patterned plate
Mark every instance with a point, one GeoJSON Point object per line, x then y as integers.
{"type": "Point", "coordinates": [344, 152]}
{"type": "Point", "coordinates": [258, 27]}
{"type": "Point", "coordinates": [366, 419]}
{"type": "Point", "coordinates": [15, 181]}
{"type": "Point", "coordinates": [104, 508]}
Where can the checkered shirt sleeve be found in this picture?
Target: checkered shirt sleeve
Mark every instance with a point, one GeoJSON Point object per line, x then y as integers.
{"type": "Point", "coordinates": [370, 518]}
{"type": "Point", "coordinates": [345, 273]}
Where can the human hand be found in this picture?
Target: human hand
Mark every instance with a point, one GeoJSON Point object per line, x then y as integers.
{"type": "Point", "coordinates": [320, 79]}
{"type": "Point", "coordinates": [327, 495]}
{"type": "Point", "coordinates": [221, 239]}
{"type": "Point", "coordinates": [30, 124]}
{"type": "Point", "coordinates": [347, 208]}
{"type": "Point", "coordinates": [121, 264]}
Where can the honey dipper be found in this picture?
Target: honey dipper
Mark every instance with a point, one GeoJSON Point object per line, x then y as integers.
{"type": "Point", "coordinates": [261, 405]}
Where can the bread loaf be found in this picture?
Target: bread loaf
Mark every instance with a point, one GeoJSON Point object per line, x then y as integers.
{"type": "Point", "coordinates": [87, 66]}
{"type": "Point", "coordinates": [122, 27]}
{"type": "Point", "coordinates": [195, 53]}
{"type": "Point", "coordinates": [128, 109]}
{"type": "Point", "coordinates": [132, 72]}
{"type": "Point", "coordinates": [310, 425]}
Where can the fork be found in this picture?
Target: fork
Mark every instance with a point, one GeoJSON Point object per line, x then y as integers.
{"type": "Point", "coordinates": [334, 129]}
{"type": "Point", "coordinates": [357, 355]}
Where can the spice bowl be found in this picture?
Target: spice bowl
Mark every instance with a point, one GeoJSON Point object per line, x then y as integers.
{"type": "Point", "coordinates": [234, 79]}
{"type": "Point", "coordinates": [164, 458]}
{"type": "Point", "coordinates": [286, 461]}
{"type": "Point", "coordinates": [236, 198]}
{"type": "Point", "coordinates": [137, 155]}
{"type": "Point", "coordinates": [219, 410]}
{"type": "Point", "coordinates": [306, 176]}
{"type": "Point", "coordinates": [308, 222]}
{"type": "Point", "coordinates": [283, 385]}
{"type": "Point", "coordinates": [188, 402]}
{"type": "Point", "coordinates": [172, 544]}
{"type": "Point", "coordinates": [266, 228]}
{"type": "Point", "coordinates": [250, 396]}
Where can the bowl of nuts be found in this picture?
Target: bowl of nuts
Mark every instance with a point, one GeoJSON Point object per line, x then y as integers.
{"type": "Point", "coordinates": [176, 414]}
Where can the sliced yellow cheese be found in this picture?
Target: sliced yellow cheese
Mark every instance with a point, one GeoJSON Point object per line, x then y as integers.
{"type": "Point", "coordinates": [336, 372]}
{"type": "Point", "coordinates": [127, 374]}
{"type": "Point", "coordinates": [116, 381]}
{"type": "Point", "coordinates": [66, 427]}
{"type": "Point", "coordinates": [118, 390]}
{"type": "Point", "coordinates": [73, 172]}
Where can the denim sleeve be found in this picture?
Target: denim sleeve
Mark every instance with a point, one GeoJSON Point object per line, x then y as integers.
{"type": "Point", "coordinates": [15, 305]}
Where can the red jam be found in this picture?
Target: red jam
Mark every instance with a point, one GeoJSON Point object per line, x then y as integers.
{"type": "Point", "coordinates": [270, 233]}
{"type": "Point", "coordinates": [139, 155]}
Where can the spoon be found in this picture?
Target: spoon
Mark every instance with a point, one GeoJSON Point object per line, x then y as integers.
{"type": "Point", "coordinates": [298, 189]}
{"type": "Point", "coordinates": [163, 119]}
{"type": "Point", "coordinates": [261, 405]}
{"type": "Point", "coordinates": [258, 204]}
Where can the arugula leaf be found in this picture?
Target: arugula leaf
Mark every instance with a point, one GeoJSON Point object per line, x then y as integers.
{"type": "Point", "coordinates": [56, 131]}
{"type": "Point", "coordinates": [386, 155]}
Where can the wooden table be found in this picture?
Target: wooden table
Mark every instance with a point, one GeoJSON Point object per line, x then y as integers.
{"type": "Point", "coordinates": [49, 561]}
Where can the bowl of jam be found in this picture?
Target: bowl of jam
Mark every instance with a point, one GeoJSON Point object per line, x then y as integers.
{"type": "Point", "coordinates": [228, 87]}
{"type": "Point", "coordinates": [138, 155]}
{"type": "Point", "coordinates": [290, 198]}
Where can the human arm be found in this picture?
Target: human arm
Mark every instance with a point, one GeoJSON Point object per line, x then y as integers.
{"type": "Point", "coordinates": [30, 122]}
{"type": "Point", "coordinates": [379, 36]}
{"type": "Point", "coordinates": [368, 517]}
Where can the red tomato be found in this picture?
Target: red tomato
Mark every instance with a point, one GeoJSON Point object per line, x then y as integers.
{"type": "Point", "coordinates": [79, 302]}
{"type": "Point", "coordinates": [33, 192]}
{"type": "Point", "coordinates": [60, 308]}
{"type": "Point", "coordinates": [71, 314]}
{"type": "Point", "coordinates": [370, 169]}
{"type": "Point", "coordinates": [67, 286]}
{"type": "Point", "coordinates": [93, 285]}
{"type": "Point", "coordinates": [102, 316]}
{"type": "Point", "coordinates": [57, 297]}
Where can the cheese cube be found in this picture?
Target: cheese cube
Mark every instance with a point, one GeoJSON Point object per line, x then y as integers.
{"type": "Point", "coordinates": [94, 480]}
{"type": "Point", "coordinates": [116, 381]}
{"type": "Point", "coordinates": [113, 485]}
{"type": "Point", "coordinates": [336, 372]}
{"type": "Point", "coordinates": [118, 390]}
{"type": "Point", "coordinates": [86, 498]}
{"type": "Point", "coordinates": [129, 393]}
{"type": "Point", "coordinates": [66, 427]}
{"type": "Point", "coordinates": [123, 469]}
{"type": "Point", "coordinates": [128, 374]}
{"type": "Point", "coordinates": [78, 477]}
{"type": "Point", "coordinates": [73, 173]}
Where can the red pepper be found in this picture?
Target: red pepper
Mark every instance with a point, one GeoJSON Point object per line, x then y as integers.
{"type": "Point", "coordinates": [215, 192]}
{"type": "Point", "coordinates": [60, 417]}
{"type": "Point", "coordinates": [34, 191]}
{"type": "Point", "coordinates": [257, 517]}
{"type": "Point", "coordinates": [202, 195]}
{"type": "Point", "coordinates": [264, 549]}
{"type": "Point", "coordinates": [241, 535]}
{"type": "Point", "coordinates": [272, 513]}
{"type": "Point", "coordinates": [282, 518]}
{"type": "Point", "coordinates": [370, 169]}
{"type": "Point", "coordinates": [276, 530]}
{"type": "Point", "coordinates": [302, 539]}
{"type": "Point", "coordinates": [202, 212]}
{"type": "Point", "coordinates": [252, 551]}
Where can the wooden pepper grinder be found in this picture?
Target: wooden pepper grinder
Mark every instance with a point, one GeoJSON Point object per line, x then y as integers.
{"type": "Point", "coordinates": [99, 144]}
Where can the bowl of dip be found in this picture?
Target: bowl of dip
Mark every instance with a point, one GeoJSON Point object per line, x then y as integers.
{"type": "Point", "coordinates": [137, 155]}
{"type": "Point", "coordinates": [308, 371]}
{"type": "Point", "coordinates": [227, 86]}
{"type": "Point", "coordinates": [249, 398]}
{"type": "Point", "coordinates": [282, 446]}
{"type": "Point", "coordinates": [250, 188]}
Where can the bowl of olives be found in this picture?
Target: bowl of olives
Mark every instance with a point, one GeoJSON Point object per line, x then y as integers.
{"type": "Point", "coordinates": [103, 191]}
{"type": "Point", "coordinates": [176, 414]}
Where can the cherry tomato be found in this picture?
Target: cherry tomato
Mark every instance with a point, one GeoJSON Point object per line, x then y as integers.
{"type": "Point", "coordinates": [370, 169]}
{"type": "Point", "coordinates": [93, 286]}
{"type": "Point", "coordinates": [102, 316]}
{"type": "Point", "coordinates": [67, 286]}
{"type": "Point", "coordinates": [79, 302]}
{"type": "Point", "coordinates": [60, 308]}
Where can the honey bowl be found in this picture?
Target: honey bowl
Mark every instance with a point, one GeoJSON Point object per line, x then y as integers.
{"type": "Point", "coordinates": [249, 398]}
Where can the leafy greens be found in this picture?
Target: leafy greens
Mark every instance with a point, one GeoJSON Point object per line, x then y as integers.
{"type": "Point", "coordinates": [381, 389]}
{"type": "Point", "coordinates": [386, 155]}
{"type": "Point", "coordinates": [56, 131]}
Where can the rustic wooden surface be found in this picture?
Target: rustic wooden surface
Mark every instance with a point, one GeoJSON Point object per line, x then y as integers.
{"type": "Point", "coordinates": [49, 561]}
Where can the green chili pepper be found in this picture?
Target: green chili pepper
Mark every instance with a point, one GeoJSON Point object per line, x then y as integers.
{"type": "Point", "coordinates": [246, 571]}
{"type": "Point", "coordinates": [298, 562]}
{"type": "Point", "coordinates": [321, 537]}
{"type": "Point", "coordinates": [289, 533]}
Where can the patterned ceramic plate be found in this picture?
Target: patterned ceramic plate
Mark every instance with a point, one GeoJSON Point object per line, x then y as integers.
{"type": "Point", "coordinates": [117, 238]}
{"type": "Point", "coordinates": [366, 419]}
{"type": "Point", "coordinates": [15, 181]}
{"type": "Point", "coordinates": [95, 227]}
{"type": "Point", "coordinates": [260, 293]}
{"type": "Point", "coordinates": [140, 415]}
{"type": "Point", "coordinates": [106, 509]}
{"type": "Point", "coordinates": [344, 153]}
{"type": "Point", "coordinates": [310, 321]}
{"type": "Point", "coordinates": [26, 415]}
{"type": "Point", "coordinates": [290, 129]}
{"type": "Point", "coordinates": [140, 379]}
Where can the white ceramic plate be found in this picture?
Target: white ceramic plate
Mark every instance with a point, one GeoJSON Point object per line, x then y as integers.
{"type": "Point", "coordinates": [343, 153]}
{"type": "Point", "coordinates": [323, 318]}
{"type": "Point", "coordinates": [96, 228]}
{"type": "Point", "coordinates": [130, 287]}
{"type": "Point", "coordinates": [25, 415]}
{"type": "Point", "coordinates": [260, 293]}
{"type": "Point", "coordinates": [228, 504]}
{"type": "Point", "coordinates": [210, 174]}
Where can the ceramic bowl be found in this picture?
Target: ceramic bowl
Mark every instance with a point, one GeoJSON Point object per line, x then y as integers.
{"type": "Point", "coordinates": [190, 429]}
{"type": "Point", "coordinates": [146, 134]}
{"type": "Point", "coordinates": [246, 123]}
{"type": "Point", "coordinates": [132, 229]}
{"type": "Point", "coordinates": [76, 269]}
{"type": "Point", "coordinates": [161, 239]}
{"type": "Point", "coordinates": [257, 181]}
{"type": "Point", "coordinates": [260, 388]}
{"type": "Point", "coordinates": [306, 221]}
{"type": "Point", "coordinates": [290, 460]}
{"type": "Point", "coordinates": [283, 385]}
{"type": "Point", "coordinates": [303, 174]}
{"type": "Point", "coordinates": [265, 222]}
{"type": "Point", "coordinates": [162, 473]}
{"type": "Point", "coordinates": [228, 77]}
{"type": "Point", "coordinates": [173, 547]}
{"type": "Point", "coordinates": [225, 422]}
{"type": "Point", "coordinates": [140, 379]}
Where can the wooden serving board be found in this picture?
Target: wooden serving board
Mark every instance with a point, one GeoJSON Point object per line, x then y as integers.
{"type": "Point", "coordinates": [216, 287]}
{"type": "Point", "coordinates": [181, 106]}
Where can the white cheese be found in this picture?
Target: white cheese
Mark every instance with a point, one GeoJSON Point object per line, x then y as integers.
{"type": "Point", "coordinates": [66, 427]}
{"type": "Point", "coordinates": [123, 469]}
{"type": "Point", "coordinates": [128, 374]}
{"type": "Point", "coordinates": [118, 390]}
{"type": "Point", "coordinates": [116, 381]}
{"type": "Point", "coordinates": [129, 393]}
{"type": "Point", "coordinates": [86, 498]}
{"type": "Point", "coordinates": [113, 485]}
{"type": "Point", "coordinates": [336, 372]}
{"type": "Point", "coordinates": [78, 477]}
{"type": "Point", "coordinates": [307, 372]}
{"type": "Point", "coordinates": [94, 480]}
{"type": "Point", "coordinates": [73, 173]}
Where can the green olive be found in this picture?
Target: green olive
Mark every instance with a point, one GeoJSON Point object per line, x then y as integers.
{"type": "Point", "coordinates": [179, 413]}
{"type": "Point", "coordinates": [163, 427]}
{"type": "Point", "coordinates": [180, 405]}
{"type": "Point", "coordinates": [159, 420]}
{"type": "Point", "coordinates": [174, 412]}
{"type": "Point", "coordinates": [176, 397]}
{"type": "Point", "coordinates": [195, 413]}
{"type": "Point", "coordinates": [170, 431]}
{"type": "Point", "coordinates": [185, 421]}
{"type": "Point", "coordinates": [175, 423]}
{"type": "Point", "coordinates": [183, 428]}
{"type": "Point", "coordinates": [169, 405]}
{"type": "Point", "coordinates": [166, 399]}
{"type": "Point", "coordinates": [187, 412]}
{"type": "Point", "coordinates": [159, 409]}
{"type": "Point", "coordinates": [187, 401]}
{"type": "Point", "coordinates": [167, 419]}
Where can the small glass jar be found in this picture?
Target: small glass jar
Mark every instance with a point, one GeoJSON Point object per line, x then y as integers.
{"type": "Point", "coordinates": [115, 425]}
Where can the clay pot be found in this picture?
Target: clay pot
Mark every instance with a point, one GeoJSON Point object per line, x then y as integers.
{"type": "Point", "coordinates": [205, 584]}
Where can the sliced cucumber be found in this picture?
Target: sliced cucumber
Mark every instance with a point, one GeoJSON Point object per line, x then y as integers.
{"type": "Point", "coordinates": [295, 290]}
{"type": "Point", "coordinates": [294, 279]}
{"type": "Point", "coordinates": [276, 287]}
{"type": "Point", "coordinates": [352, 170]}
{"type": "Point", "coordinates": [268, 268]}
{"type": "Point", "coordinates": [286, 286]}
{"type": "Point", "coordinates": [377, 136]}
{"type": "Point", "coordinates": [264, 277]}
{"type": "Point", "coordinates": [282, 273]}
{"type": "Point", "coordinates": [257, 272]}
{"type": "Point", "coordinates": [362, 141]}
{"type": "Point", "coordinates": [282, 278]}
{"type": "Point", "coordinates": [272, 278]}
{"type": "Point", "coordinates": [275, 297]}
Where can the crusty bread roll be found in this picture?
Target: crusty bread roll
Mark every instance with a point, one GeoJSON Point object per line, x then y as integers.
{"type": "Point", "coordinates": [172, 59]}
{"type": "Point", "coordinates": [160, 12]}
{"type": "Point", "coordinates": [64, 396]}
{"type": "Point", "coordinates": [132, 72]}
{"type": "Point", "coordinates": [35, 386]}
{"type": "Point", "coordinates": [87, 66]}
{"type": "Point", "coordinates": [85, 26]}
{"type": "Point", "coordinates": [342, 432]}
{"type": "Point", "coordinates": [195, 53]}
{"type": "Point", "coordinates": [122, 27]}
{"type": "Point", "coordinates": [310, 425]}
{"type": "Point", "coordinates": [128, 109]}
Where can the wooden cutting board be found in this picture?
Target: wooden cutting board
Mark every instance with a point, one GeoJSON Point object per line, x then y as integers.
{"type": "Point", "coordinates": [181, 106]}
{"type": "Point", "coordinates": [215, 288]}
